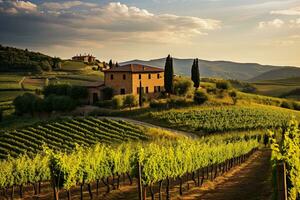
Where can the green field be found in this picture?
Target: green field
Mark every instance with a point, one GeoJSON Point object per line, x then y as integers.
{"type": "Point", "coordinates": [277, 88]}
{"type": "Point", "coordinates": [65, 134]}
{"type": "Point", "coordinates": [215, 119]}
{"type": "Point", "coordinates": [69, 65]}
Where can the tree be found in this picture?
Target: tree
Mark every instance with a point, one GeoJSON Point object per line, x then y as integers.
{"type": "Point", "coordinates": [200, 97]}
{"type": "Point", "coordinates": [26, 103]}
{"type": "Point", "coordinates": [130, 100]}
{"type": "Point", "coordinates": [1, 115]}
{"type": "Point", "coordinates": [196, 74]}
{"type": "Point", "coordinates": [117, 64]}
{"type": "Point", "coordinates": [110, 64]}
{"type": "Point", "coordinates": [169, 73]}
{"type": "Point", "coordinates": [233, 95]}
{"type": "Point", "coordinates": [108, 93]}
{"type": "Point", "coordinates": [118, 101]}
{"type": "Point", "coordinates": [183, 86]}
{"type": "Point", "coordinates": [141, 95]}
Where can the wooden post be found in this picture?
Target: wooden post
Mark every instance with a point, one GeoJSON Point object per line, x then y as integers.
{"type": "Point", "coordinates": [281, 181]}
{"type": "Point", "coordinates": [140, 189]}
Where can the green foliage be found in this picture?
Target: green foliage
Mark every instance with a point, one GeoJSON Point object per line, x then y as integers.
{"type": "Point", "coordinates": [159, 159]}
{"type": "Point", "coordinates": [1, 114]}
{"type": "Point", "coordinates": [288, 151]}
{"type": "Point", "coordinates": [168, 75]}
{"type": "Point", "coordinates": [27, 103]}
{"type": "Point", "coordinates": [221, 119]}
{"type": "Point", "coordinates": [64, 134]}
{"type": "Point", "coordinates": [196, 74]}
{"type": "Point", "coordinates": [287, 104]}
{"type": "Point", "coordinates": [104, 104]}
{"type": "Point", "coordinates": [75, 92]}
{"type": "Point", "coordinates": [223, 85]}
{"type": "Point", "coordinates": [200, 97]}
{"type": "Point", "coordinates": [182, 86]}
{"type": "Point", "coordinates": [118, 101]}
{"type": "Point", "coordinates": [108, 93]}
{"type": "Point", "coordinates": [19, 60]}
{"type": "Point", "coordinates": [131, 100]}
{"type": "Point", "coordinates": [60, 103]}
{"type": "Point", "coordinates": [233, 94]}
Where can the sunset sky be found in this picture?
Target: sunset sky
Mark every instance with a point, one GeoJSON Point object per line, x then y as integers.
{"type": "Point", "coordinates": [263, 31]}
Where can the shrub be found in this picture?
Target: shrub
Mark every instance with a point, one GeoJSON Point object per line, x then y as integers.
{"type": "Point", "coordinates": [223, 85]}
{"type": "Point", "coordinates": [234, 96]}
{"type": "Point", "coordinates": [78, 92]}
{"type": "Point", "coordinates": [104, 104]}
{"type": "Point", "coordinates": [1, 115]}
{"type": "Point", "coordinates": [211, 90]}
{"type": "Point", "coordinates": [59, 103]}
{"type": "Point", "coordinates": [75, 92]}
{"type": "Point", "coordinates": [131, 100]}
{"type": "Point", "coordinates": [287, 104]}
{"type": "Point", "coordinates": [118, 101]}
{"type": "Point", "coordinates": [108, 93]}
{"type": "Point", "coordinates": [157, 104]}
{"type": "Point", "coordinates": [200, 97]}
{"type": "Point", "coordinates": [25, 103]}
{"type": "Point", "coordinates": [177, 102]}
{"type": "Point", "coordinates": [296, 105]}
{"type": "Point", "coordinates": [182, 86]}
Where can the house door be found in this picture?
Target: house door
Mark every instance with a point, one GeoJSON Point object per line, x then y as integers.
{"type": "Point", "coordinates": [122, 91]}
{"type": "Point", "coordinates": [95, 97]}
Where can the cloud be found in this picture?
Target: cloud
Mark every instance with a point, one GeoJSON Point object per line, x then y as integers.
{"type": "Point", "coordinates": [16, 6]}
{"type": "Point", "coordinates": [276, 23]}
{"type": "Point", "coordinates": [56, 23]}
{"type": "Point", "coordinates": [65, 5]}
{"type": "Point", "coordinates": [290, 12]}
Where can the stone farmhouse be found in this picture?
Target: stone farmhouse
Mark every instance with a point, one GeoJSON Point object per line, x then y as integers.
{"type": "Point", "coordinates": [129, 79]}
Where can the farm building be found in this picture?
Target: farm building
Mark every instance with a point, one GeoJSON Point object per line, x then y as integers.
{"type": "Point", "coordinates": [129, 79]}
{"type": "Point", "coordinates": [84, 58]}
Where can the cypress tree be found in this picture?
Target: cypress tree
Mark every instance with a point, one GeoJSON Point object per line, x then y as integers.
{"type": "Point", "coordinates": [196, 74]}
{"type": "Point", "coordinates": [169, 73]}
{"type": "Point", "coordinates": [110, 64]}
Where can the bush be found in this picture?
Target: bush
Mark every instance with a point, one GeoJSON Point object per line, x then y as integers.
{"type": "Point", "coordinates": [75, 92]}
{"type": "Point", "coordinates": [200, 97]}
{"type": "Point", "coordinates": [108, 93]}
{"type": "Point", "coordinates": [211, 90]}
{"type": "Point", "coordinates": [223, 85]}
{"type": "Point", "coordinates": [104, 104]}
{"type": "Point", "coordinates": [1, 115]}
{"type": "Point", "coordinates": [296, 105]}
{"type": "Point", "coordinates": [157, 104]}
{"type": "Point", "coordinates": [26, 103]}
{"type": "Point", "coordinates": [287, 104]}
{"type": "Point", "coordinates": [118, 101]}
{"type": "Point", "coordinates": [131, 100]}
{"type": "Point", "coordinates": [182, 86]}
{"type": "Point", "coordinates": [234, 96]}
{"type": "Point", "coordinates": [59, 103]}
{"type": "Point", "coordinates": [177, 102]}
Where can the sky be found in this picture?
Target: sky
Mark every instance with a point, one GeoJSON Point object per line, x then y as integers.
{"type": "Point", "coordinates": [261, 31]}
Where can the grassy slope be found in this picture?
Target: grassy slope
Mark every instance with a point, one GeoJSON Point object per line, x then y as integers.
{"type": "Point", "coordinates": [278, 87]}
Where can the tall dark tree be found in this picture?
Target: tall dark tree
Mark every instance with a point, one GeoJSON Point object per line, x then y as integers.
{"type": "Point", "coordinates": [196, 74]}
{"type": "Point", "coordinates": [110, 64]}
{"type": "Point", "coordinates": [169, 73]}
{"type": "Point", "coordinates": [141, 95]}
{"type": "Point", "coordinates": [117, 64]}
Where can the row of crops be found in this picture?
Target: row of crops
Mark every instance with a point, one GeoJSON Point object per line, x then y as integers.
{"type": "Point", "coordinates": [65, 134]}
{"type": "Point", "coordinates": [159, 160]}
{"type": "Point", "coordinates": [221, 119]}
{"type": "Point", "coordinates": [285, 146]}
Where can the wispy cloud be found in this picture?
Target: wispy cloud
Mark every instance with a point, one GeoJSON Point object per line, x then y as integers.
{"type": "Point", "coordinates": [290, 12]}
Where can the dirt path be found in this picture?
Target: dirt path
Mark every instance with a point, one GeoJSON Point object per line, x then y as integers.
{"type": "Point", "coordinates": [153, 126]}
{"type": "Point", "coordinates": [250, 181]}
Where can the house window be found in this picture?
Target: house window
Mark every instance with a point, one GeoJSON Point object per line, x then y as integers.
{"type": "Point", "coordinates": [140, 76]}
{"type": "Point", "coordinates": [122, 91]}
{"type": "Point", "coordinates": [156, 88]}
{"type": "Point", "coordinates": [124, 76]}
{"type": "Point", "coordinates": [149, 76]}
{"type": "Point", "coordinates": [111, 77]}
{"type": "Point", "coordinates": [158, 76]}
{"type": "Point", "coordinates": [147, 90]}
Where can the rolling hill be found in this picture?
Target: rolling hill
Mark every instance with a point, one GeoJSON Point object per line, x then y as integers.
{"type": "Point", "coordinates": [277, 74]}
{"type": "Point", "coordinates": [218, 69]}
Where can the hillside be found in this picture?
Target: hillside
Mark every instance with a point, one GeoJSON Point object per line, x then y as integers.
{"type": "Point", "coordinates": [220, 69]}
{"type": "Point", "coordinates": [19, 60]}
{"type": "Point", "coordinates": [281, 73]}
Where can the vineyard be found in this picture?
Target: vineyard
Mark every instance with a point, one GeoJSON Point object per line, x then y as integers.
{"type": "Point", "coordinates": [151, 163]}
{"type": "Point", "coordinates": [286, 150]}
{"type": "Point", "coordinates": [222, 119]}
{"type": "Point", "coordinates": [65, 134]}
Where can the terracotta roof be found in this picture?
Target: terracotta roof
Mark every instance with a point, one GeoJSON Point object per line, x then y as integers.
{"type": "Point", "coordinates": [135, 68]}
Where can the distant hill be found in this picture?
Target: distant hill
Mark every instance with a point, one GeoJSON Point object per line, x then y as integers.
{"type": "Point", "coordinates": [217, 69]}
{"type": "Point", "coordinates": [276, 74]}
{"type": "Point", "coordinates": [19, 60]}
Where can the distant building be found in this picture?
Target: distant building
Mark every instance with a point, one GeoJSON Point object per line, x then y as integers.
{"type": "Point", "coordinates": [126, 79]}
{"type": "Point", "coordinates": [84, 58]}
